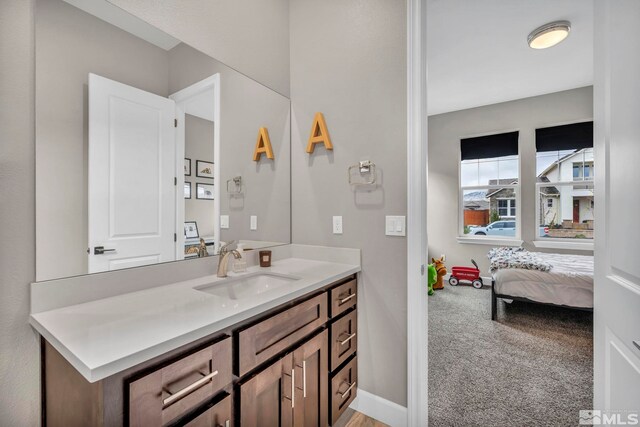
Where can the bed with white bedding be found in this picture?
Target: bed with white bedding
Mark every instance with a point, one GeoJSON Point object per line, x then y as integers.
{"type": "Point", "coordinates": [568, 282]}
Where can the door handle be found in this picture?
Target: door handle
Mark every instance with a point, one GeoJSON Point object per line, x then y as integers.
{"type": "Point", "coordinates": [293, 388]}
{"type": "Point", "coordinates": [100, 250]}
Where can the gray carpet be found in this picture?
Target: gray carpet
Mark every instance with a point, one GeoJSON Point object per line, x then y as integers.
{"type": "Point", "coordinates": [532, 367]}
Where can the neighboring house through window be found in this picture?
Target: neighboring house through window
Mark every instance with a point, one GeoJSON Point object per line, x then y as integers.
{"type": "Point", "coordinates": [489, 186]}
{"type": "Point", "coordinates": [565, 157]}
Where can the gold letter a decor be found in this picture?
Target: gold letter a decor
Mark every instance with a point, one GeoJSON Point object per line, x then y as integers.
{"type": "Point", "coordinates": [319, 134]}
{"type": "Point", "coordinates": [263, 145]}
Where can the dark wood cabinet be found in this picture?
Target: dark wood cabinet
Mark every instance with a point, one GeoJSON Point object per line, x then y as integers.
{"type": "Point", "coordinates": [294, 366]}
{"type": "Point", "coordinates": [169, 392]}
{"type": "Point", "coordinates": [343, 388]}
{"type": "Point", "coordinates": [218, 415]}
{"type": "Point", "coordinates": [312, 368]}
{"type": "Point", "coordinates": [267, 399]}
{"type": "Point", "coordinates": [265, 339]}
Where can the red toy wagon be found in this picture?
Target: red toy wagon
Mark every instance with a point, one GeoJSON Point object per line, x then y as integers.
{"type": "Point", "coordinates": [466, 273]}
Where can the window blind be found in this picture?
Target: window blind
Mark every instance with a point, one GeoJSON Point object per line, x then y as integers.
{"type": "Point", "coordinates": [489, 146]}
{"type": "Point", "coordinates": [575, 136]}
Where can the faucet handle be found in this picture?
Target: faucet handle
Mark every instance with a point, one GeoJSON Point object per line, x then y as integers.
{"type": "Point", "coordinates": [223, 248]}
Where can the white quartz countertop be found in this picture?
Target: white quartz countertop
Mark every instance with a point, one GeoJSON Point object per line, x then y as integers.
{"type": "Point", "coordinates": [103, 337]}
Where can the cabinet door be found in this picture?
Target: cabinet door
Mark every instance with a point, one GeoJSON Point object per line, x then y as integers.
{"type": "Point", "coordinates": [311, 367]}
{"type": "Point", "coordinates": [219, 415]}
{"type": "Point", "coordinates": [267, 399]}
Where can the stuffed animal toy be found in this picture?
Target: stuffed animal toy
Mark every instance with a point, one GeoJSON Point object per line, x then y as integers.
{"type": "Point", "coordinates": [432, 277]}
{"type": "Point", "coordinates": [441, 270]}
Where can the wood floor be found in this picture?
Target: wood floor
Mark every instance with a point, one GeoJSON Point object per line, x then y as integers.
{"type": "Point", "coordinates": [351, 418]}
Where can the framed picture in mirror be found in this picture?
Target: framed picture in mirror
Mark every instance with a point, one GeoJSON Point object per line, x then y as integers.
{"type": "Point", "coordinates": [187, 190]}
{"type": "Point", "coordinates": [191, 230]}
{"type": "Point", "coordinates": [204, 191]}
{"type": "Point", "coordinates": [187, 167]}
{"type": "Point", "coordinates": [204, 169]}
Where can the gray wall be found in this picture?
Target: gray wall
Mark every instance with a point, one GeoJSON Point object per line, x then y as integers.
{"type": "Point", "coordinates": [245, 106]}
{"type": "Point", "coordinates": [445, 131]}
{"type": "Point", "coordinates": [247, 35]}
{"type": "Point", "coordinates": [348, 61]}
{"type": "Point", "coordinates": [19, 355]}
{"type": "Point", "coordinates": [198, 145]}
{"type": "Point", "coordinates": [19, 358]}
{"type": "Point", "coordinates": [72, 43]}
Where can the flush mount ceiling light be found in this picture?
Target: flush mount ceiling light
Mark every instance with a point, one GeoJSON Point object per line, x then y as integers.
{"type": "Point", "coordinates": [549, 34]}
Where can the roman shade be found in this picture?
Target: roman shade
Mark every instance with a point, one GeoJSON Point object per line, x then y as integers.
{"type": "Point", "coordinates": [489, 146]}
{"type": "Point", "coordinates": [575, 136]}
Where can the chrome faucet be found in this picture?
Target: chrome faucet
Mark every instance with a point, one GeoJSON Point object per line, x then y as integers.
{"type": "Point", "coordinates": [224, 259]}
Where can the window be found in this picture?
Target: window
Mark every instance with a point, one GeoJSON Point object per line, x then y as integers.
{"type": "Point", "coordinates": [507, 208]}
{"type": "Point", "coordinates": [564, 157]}
{"type": "Point", "coordinates": [489, 172]}
{"type": "Point", "coordinates": [582, 170]}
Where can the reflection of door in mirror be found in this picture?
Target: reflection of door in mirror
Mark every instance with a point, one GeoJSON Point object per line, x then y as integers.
{"type": "Point", "coordinates": [132, 193]}
{"type": "Point", "coordinates": [134, 201]}
{"type": "Point", "coordinates": [137, 143]}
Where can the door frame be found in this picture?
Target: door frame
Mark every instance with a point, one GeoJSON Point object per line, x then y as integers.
{"type": "Point", "coordinates": [417, 328]}
{"type": "Point", "coordinates": [181, 99]}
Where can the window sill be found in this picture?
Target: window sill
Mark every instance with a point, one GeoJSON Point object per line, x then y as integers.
{"type": "Point", "coordinates": [557, 244]}
{"type": "Point", "coordinates": [492, 241]}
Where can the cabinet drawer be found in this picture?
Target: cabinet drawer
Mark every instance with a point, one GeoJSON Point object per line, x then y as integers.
{"type": "Point", "coordinates": [343, 297]}
{"type": "Point", "coordinates": [343, 338]}
{"type": "Point", "coordinates": [219, 415]}
{"type": "Point", "coordinates": [172, 390]}
{"type": "Point", "coordinates": [343, 389]}
{"type": "Point", "coordinates": [264, 340]}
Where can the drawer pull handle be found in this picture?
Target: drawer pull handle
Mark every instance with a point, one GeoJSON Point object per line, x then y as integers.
{"type": "Point", "coordinates": [347, 339]}
{"type": "Point", "coordinates": [293, 388]}
{"type": "Point", "coordinates": [304, 378]}
{"type": "Point", "coordinates": [188, 389]}
{"type": "Point", "coordinates": [226, 424]}
{"type": "Point", "coordinates": [347, 298]}
{"type": "Point", "coordinates": [637, 344]}
{"type": "Point", "coordinates": [351, 386]}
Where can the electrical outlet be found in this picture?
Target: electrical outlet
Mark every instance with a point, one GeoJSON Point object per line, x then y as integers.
{"type": "Point", "coordinates": [337, 225]}
{"type": "Point", "coordinates": [253, 225]}
{"type": "Point", "coordinates": [224, 222]}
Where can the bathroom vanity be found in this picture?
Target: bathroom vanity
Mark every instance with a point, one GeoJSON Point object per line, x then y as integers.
{"type": "Point", "coordinates": [271, 347]}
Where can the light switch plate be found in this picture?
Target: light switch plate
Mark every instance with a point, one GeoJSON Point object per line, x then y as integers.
{"type": "Point", "coordinates": [337, 225]}
{"type": "Point", "coordinates": [395, 225]}
{"type": "Point", "coordinates": [224, 222]}
{"type": "Point", "coordinates": [253, 225]}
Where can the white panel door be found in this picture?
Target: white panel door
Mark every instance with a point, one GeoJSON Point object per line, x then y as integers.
{"type": "Point", "coordinates": [617, 184]}
{"type": "Point", "coordinates": [132, 165]}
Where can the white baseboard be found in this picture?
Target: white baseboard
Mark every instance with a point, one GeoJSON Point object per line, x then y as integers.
{"type": "Point", "coordinates": [380, 409]}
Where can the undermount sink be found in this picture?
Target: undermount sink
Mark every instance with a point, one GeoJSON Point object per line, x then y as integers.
{"type": "Point", "coordinates": [246, 286]}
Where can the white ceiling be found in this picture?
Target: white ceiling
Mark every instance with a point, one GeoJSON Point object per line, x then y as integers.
{"type": "Point", "coordinates": [477, 52]}
{"type": "Point", "coordinates": [125, 21]}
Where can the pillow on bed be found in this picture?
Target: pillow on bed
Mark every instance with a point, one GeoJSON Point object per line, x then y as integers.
{"type": "Point", "coordinates": [516, 258]}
